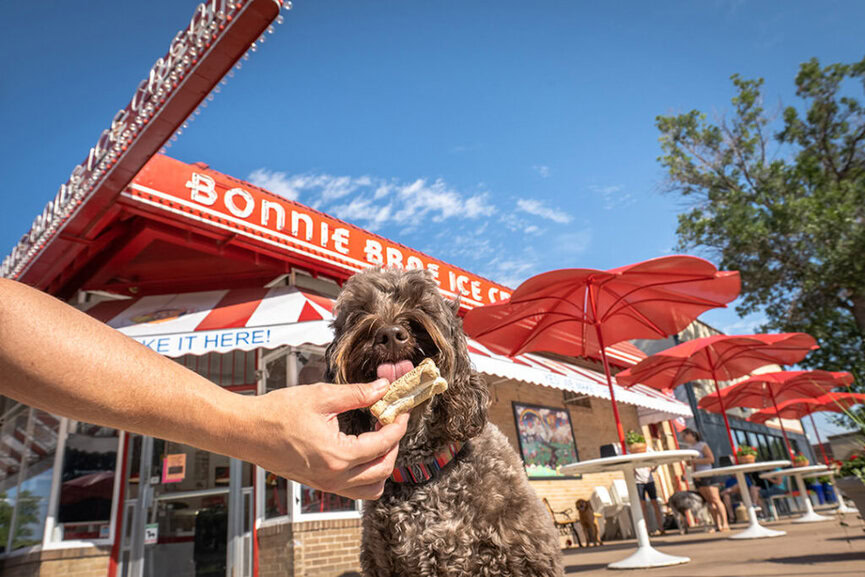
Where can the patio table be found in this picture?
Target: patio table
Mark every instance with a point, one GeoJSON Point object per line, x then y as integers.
{"type": "Point", "coordinates": [842, 507]}
{"type": "Point", "coordinates": [796, 472]}
{"type": "Point", "coordinates": [645, 556]}
{"type": "Point", "coordinates": [754, 530]}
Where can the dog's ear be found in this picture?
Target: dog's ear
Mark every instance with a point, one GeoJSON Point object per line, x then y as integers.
{"type": "Point", "coordinates": [329, 369]}
{"type": "Point", "coordinates": [463, 406]}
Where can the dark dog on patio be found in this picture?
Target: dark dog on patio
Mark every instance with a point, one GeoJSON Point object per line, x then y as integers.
{"type": "Point", "coordinates": [477, 514]}
{"type": "Point", "coordinates": [589, 522]}
{"type": "Point", "coordinates": [683, 501]}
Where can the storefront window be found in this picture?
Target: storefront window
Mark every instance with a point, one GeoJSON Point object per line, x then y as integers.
{"type": "Point", "coordinates": [28, 443]}
{"type": "Point", "coordinates": [288, 369]}
{"type": "Point", "coordinates": [87, 481]}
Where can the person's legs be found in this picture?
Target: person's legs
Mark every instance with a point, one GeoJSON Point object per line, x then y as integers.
{"type": "Point", "coordinates": [727, 498]}
{"type": "Point", "coordinates": [652, 493]}
{"type": "Point", "coordinates": [716, 507]}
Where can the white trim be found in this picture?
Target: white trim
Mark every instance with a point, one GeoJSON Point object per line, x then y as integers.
{"type": "Point", "coordinates": [118, 480]}
{"type": "Point", "coordinates": [273, 521]}
{"type": "Point", "coordinates": [48, 535]}
{"type": "Point", "coordinates": [73, 544]}
{"type": "Point", "coordinates": [329, 516]}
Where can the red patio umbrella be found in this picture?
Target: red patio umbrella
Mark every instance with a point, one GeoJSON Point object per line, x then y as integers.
{"type": "Point", "coordinates": [798, 408]}
{"type": "Point", "coordinates": [718, 358]}
{"type": "Point", "coordinates": [768, 389]}
{"type": "Point", "coordinates": [580, 312]}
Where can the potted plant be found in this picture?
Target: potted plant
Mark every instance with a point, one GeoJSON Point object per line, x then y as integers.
{"type": "Point", "coordinates": [746, 454]}
{"type": "Point", "coordinates": [850, 479]}
{"type": "Point", "coordinates": [800, 461]}
{"type": "Point", "coordinates": [636, 442]}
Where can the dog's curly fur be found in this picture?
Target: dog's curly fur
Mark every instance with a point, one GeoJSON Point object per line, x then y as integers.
{"type": "Point", "coordinates": [479, 516]}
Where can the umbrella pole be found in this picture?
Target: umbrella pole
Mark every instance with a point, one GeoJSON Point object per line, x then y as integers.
{"type": "Point", "coordinates": [619, 430]}
{"type": "Point", "coordinates": [724, 414]}
{"type": "Point", "coordinates": [781, 422]}
{"type": "Point", "coordinates": [819, 442]}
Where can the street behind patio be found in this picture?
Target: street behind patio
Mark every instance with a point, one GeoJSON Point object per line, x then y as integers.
{"type": "Point", "coordinates": [815, 549]}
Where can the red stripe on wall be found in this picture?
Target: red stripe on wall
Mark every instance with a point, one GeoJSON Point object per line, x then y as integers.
{"type": "Point", "coordinates": [233, 310]}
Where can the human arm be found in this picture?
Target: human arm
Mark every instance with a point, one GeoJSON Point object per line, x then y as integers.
{"type": "Point", "coordinates": [58, 359]}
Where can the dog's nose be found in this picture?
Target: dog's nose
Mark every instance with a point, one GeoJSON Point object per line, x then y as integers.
{"type": "Point", "coordinates": [391, 337]}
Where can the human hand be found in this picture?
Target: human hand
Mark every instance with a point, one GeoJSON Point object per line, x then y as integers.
{"type": "Point", "coordinates": [296, 435]}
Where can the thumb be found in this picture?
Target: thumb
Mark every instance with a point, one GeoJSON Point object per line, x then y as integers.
{"type": "Point", "coordinates": [341, 398]}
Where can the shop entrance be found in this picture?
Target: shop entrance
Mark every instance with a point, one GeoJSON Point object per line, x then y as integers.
{"type": "Point", "coordinates": [192, 517]}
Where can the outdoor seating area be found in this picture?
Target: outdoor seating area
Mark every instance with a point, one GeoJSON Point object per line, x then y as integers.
{"type": "Point", "coordinates": [837, 549]}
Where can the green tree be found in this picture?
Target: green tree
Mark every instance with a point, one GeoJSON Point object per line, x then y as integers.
{"type": "Point", "coordinates": [28, 514]}
{"type": "Point", "coordinates": [781, 198]}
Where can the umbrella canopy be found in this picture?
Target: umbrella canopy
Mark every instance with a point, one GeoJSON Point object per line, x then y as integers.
{"type": "Point", "coordinates": [758, 391]}
{"type": "Point", "coordinates": [799, 408]}
{"type": "Point", "coordinates": [579, 312]}
{"type": "Point", "coordinates": [573, 311]}
{"type": "Point", "coordinates": [770, 389]}
{"type": "Point", "coordinates": [717, 358]}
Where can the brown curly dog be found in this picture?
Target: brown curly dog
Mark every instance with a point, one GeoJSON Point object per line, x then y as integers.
{"type": "Point", "coordinates": [469, 514]}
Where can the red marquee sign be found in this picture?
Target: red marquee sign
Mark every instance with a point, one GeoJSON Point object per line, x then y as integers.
{"type": "Point", "coordinates": [206, 196]}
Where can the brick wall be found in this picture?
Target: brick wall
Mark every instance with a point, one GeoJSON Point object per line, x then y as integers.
{"type": "Point", "coordinates": [593, 426]}
{"type": "Point", "coordinates": [310, 549]}
{"type": "Point", "coordinates": [79, 562]}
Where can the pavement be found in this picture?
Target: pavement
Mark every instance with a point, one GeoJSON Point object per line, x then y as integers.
{"type": "Point", "coordinates": [829, 548]}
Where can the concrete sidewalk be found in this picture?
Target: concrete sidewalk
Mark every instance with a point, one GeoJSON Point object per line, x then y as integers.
{"type": "Point", "coordinates": [816, 549]}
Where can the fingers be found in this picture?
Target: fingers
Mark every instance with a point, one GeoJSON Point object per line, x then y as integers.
{"type": "Point", "coordinates": [374, 471]}
{"type": "Point", "coordinates": [341, 398]}
{"type": "Point", "coordinates": [366, 492]}
{"type": "Point", "coordinates": [369, 446]}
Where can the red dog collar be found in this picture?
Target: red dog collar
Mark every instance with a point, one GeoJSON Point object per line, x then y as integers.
{"type": "Point", "coordinates": [423, 472]}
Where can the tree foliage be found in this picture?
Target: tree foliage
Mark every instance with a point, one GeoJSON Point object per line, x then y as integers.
{"type": "Point", "coordinates": [781, 198]}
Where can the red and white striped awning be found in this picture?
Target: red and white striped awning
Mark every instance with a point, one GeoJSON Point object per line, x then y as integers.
{"type": "Point", "coordinates": [652, 406]}
{"type": "Point", "coordinates": [221, 321]}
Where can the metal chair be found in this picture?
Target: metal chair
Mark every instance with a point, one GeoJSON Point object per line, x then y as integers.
{"type": "Point", "coordinates": [566, 526]}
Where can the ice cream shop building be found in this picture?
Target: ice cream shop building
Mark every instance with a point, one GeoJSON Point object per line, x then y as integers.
{"type": "Point", "coordinates": [237, 284]}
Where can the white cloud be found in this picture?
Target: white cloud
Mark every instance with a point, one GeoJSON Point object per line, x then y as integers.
{"type": "Point", "coordinates": [517, 224]}
{"type": "Point", "coordinates": [613, 196]}
{"type": "Point", "coordinates": [542, 169]}
{"type": "Point", "coordinates": [572, 243]}
{"type": "Point", "coordinates": [513, 269]}
{"type": "Point", "coordinates": [374, 202]}
{"type": "Point", "coordinates": [537, 208]}
{"type": "Point", "coordinates": [327, 187]}
{"type": "Point", "coordinates": [276, 182]}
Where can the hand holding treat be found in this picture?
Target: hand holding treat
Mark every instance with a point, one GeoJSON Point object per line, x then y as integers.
{"type": "Point", "coordinates": [410, 390]}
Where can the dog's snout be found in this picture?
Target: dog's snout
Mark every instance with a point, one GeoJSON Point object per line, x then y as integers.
{"type": "Point", "coordinates": [392, 337]}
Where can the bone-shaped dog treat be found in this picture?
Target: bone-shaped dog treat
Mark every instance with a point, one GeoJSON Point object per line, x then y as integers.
{"type": "Point", "coordinates": [408, 391]}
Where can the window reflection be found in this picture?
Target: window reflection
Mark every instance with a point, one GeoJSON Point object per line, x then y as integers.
{"type": "Point", "coordinates": [297, 368]}
{"type": "Point", "coordinates": [28, 443]}
{"type": "Point", "coordinates": [87, 481]}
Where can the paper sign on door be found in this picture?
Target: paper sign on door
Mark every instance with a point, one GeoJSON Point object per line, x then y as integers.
{"type": "Point", "coordinates": [151, 533]}
{"type": "Point", "coordinates": [174, 468]}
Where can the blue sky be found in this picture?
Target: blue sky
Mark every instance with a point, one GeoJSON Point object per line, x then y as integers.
{"type": "Point", "coordinates": [523, 132]}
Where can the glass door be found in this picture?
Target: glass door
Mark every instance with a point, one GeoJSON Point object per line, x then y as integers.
{"type": "Point", "coordinates": [189, 515]}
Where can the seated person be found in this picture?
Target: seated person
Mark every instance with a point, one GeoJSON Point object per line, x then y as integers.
{"type": "Point", "coordinates": [731, 490]}
{"type": "Point", "coordinates": [775, 486]}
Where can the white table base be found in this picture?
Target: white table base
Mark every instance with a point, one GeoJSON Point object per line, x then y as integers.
{"type": "Point", "coordinates": [754, 530]}
{"type": "Point", "coordinates": [646, 556]}
{"type": "Point", "coordinates": [842, 508]}
{"type": "Point", "coordinates": [810, 516]}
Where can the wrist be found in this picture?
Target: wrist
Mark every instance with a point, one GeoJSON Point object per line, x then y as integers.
{"type": "Point", "coordinates": [232, 424]}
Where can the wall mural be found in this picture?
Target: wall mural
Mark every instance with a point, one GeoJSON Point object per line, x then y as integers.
{"type": "Point", "coordinates": [546, 439]}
